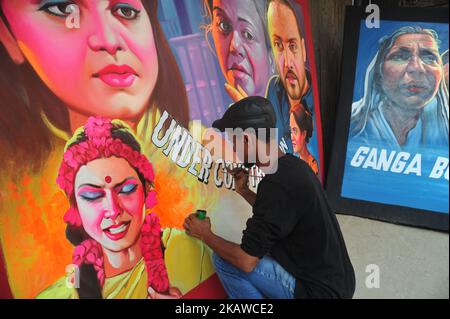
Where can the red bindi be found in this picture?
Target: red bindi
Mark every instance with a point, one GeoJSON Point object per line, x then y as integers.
{"type": "Point", "coordinates": [108, 179]}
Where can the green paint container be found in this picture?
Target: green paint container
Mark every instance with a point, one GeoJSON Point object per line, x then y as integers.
{"type": "Point", "coordinates": [201, 214]}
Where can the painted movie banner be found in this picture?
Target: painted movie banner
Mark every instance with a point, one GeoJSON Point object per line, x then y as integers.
{"type": "Point", "coordinates": [391, 145]}
{"type": "Point", "coordinates": [104, 93]}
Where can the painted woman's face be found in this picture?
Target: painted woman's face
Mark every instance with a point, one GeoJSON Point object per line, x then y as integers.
{"type": "Point", "coordinates": [412, 71]}
{"type": "Point", "coordinates": [104, 65]}
{"type": "Point", "coordinates": [110, 198]}
{"type": "Point", "coordinates": [298, 136]}
{"type": "Point", "coordinates": [239, 38]}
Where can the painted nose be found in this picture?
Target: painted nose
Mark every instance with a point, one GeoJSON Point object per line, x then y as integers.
{"type": "Point", "coordinates": [415, 65]}
{"type": "Point", "coordinates": [287, 59]}
{"type": "Point", "coordinates": [112, 207]}
{"type": "Point", "coordinates": [236, 44]}
{"type": "Point", "coordinates": [105, 37]}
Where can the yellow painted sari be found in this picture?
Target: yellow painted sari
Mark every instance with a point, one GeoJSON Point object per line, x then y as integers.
{"type": "Point", "coordinates": [188, 263]}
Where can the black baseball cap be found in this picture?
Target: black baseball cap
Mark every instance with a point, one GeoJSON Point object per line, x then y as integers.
{"type": "Point", "coordinates": [251, 112]}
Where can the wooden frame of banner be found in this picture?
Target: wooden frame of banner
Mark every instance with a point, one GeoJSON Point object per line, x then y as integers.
{"type": "Point", "coordinates": [373, 210]}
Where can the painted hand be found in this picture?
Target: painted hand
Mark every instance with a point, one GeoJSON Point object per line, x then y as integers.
{"type": "Point", "coordinates": [173, 293]}
{"type": "Point", "coordinates": [236, 94]}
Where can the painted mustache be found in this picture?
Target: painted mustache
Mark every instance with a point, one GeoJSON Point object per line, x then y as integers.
{"type": "Point", "coordinates": [290, 75]}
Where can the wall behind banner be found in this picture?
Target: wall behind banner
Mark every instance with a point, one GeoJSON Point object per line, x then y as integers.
{"type": "Point", "coordinates": [234, 57]}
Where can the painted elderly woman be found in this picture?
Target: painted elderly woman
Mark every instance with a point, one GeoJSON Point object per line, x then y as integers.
{"type": "Point", "coordinates": [118, 243]}
{"type": "Point", "coordinates": [405, 103]}
{"type": "Point", "coordinates": [239, 31]}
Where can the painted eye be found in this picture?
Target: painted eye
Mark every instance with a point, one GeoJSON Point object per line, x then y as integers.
{"type": "Point", "coordinates": [277, 45]}
{"type": "Point", "coordinates": [59, 8]}
{"type": "Point", "coordinates": [128, 189]}
{"type": "Point", "coordinates": [225, 27]}
{"type": "Point", "coordinates": [125, 11]}
{"type": "Point", "coordinates": [293, 47]}
{"type": "Point", "coordinates": [91, 196]}
{"type": "Point", "coordinates": [429, 58]}
{"type": "Point", "coordinates": [247, 35]}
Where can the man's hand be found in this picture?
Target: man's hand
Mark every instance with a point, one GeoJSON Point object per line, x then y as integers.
{"type": "Point", "coordinates": [240, 179]}
{"type": "Point", "coordinates": [197, 228]}
{"type": "Point", "coordinates": [241, 184]}
{"type": "Point", "coordinates": [174, 293]}
{"type": "Point", "coordinates": [236, 94]}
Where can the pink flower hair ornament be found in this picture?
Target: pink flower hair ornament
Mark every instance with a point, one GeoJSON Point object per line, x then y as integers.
{"type": "Point", "coordinates": [100, 143]}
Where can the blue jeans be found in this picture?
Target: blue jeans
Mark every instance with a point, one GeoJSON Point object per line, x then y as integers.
{"type": "Point", "coordinates": [267, 280]}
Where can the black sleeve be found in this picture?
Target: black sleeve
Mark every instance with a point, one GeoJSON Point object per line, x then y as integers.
{"type": "Point", "coordinates": [274, 217]}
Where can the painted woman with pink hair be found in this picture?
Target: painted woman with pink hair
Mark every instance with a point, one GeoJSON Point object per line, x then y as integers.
{"type": "Point", "coordinates": [118, 248]}
{"type": "Point", "coordinates": [115, 62]}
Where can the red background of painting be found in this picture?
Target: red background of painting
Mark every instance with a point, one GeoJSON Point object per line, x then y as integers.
{"type": "Point", "coordinates": [5, 292]}
{"type": "Point", "coordinates": [312, 61]}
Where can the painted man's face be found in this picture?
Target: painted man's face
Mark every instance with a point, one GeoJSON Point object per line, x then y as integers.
{"type": "Point", "coordinates": [109, 60]}
{"type": "Point", "coordinates": [110, 198]}
{"type": "Point", "coordinates": [412, 71]}
{"type": "Point", "coordinates": [288, 49]}
{"type": "Point", "coordinates": [240, 41]}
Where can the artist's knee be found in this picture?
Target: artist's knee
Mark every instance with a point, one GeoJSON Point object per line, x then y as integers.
{"type": "Point", "coordinates": [266, 265]}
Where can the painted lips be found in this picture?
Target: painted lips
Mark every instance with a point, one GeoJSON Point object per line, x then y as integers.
{"type": "Point", "coordinates": [239, 71]}
{"type": "Point", "coordinates": [116, 232]}
{"type": "Point", "coordinates": [119, 76]}
{"type": "Point", "coordinates": [413, 88]}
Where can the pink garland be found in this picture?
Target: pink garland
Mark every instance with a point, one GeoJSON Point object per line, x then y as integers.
{"type": "Point", "coordinates": [153, 256]}
{"type": "Point", "coordinates": [101, 144]}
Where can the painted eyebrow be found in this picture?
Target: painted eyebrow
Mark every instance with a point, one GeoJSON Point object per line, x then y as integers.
{"type": "Point", "coordinates": [77, 2]}
{"type": "Point", "coordinates": [428, 51]}
{"type": "Point", "coordinates": [219, 9]}
{"type": "Point", "coordinates": [277, 37]}
{"type": "Point", "coordinates": [89, 185]}
{"type": "Point", "coordinates": [245, 20]}
{"type": "Point", "coordinates": [239, 18]}
{"type": "Point", "coordinates": [100, 186]}
{"type": "Point", "coordinates": [399, 49]}
{"type": "Point", "coordinates": [408, 50]}
{"type": "Point", "coordinates": [123, 182]}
